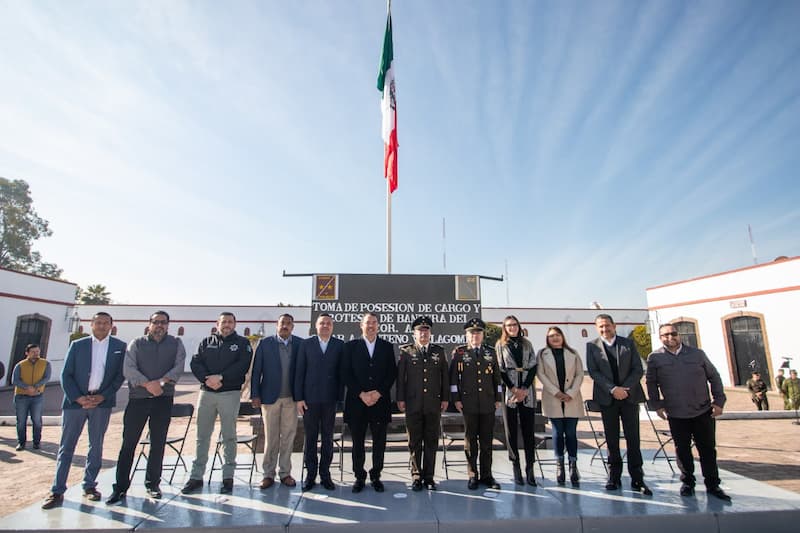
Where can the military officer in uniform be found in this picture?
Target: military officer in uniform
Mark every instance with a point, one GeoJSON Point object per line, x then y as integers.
{"type": "Point", "coordinates": [476, 392]}
{"type": "Point", "coordinates": [422, 393]}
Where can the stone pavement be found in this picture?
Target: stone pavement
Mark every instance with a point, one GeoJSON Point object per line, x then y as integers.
{"type": "Point", "coordinates": [764, 450]}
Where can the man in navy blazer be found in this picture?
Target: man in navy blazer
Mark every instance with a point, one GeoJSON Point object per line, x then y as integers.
{"type": "Point", "coordinates": [616, 369]}
{"type": "Point", "coordinates": [368, 370]}
{"type": "Point", "coordinates": [317, 388]}
{"type": "Point", "coordinates": [91, 377]}
{"type": "Point", "coordinates": [271, 389]}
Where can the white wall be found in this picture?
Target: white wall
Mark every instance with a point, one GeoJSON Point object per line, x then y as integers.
{"type": "Point", "coordinates": [24, 294]}
{"type": "Point", "coordinates": [770, 289]}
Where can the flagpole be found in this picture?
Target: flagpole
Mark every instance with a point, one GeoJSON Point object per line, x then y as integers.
{"type": "Point", "coordinates": [388, 197]}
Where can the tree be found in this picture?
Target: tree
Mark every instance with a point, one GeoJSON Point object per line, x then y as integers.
{"type": "Point", "coordinates": [95, 295]}
{"type": "Point", "coordinates": [19, 227]}
{"type": "Point", "coordinates": [492, 334]}
{"type": "Point", "coordinates": [641, 338]}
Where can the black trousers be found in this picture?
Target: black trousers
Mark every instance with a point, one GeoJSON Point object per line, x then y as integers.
{"type": "Point", "coordinates": [479, 432]}
{"type": "Point", "coordinates": [524, 417]}
{"type": "Point", "coordinates": [359, 431]}
{"type": "Point", "coordinates": [318, 419]}
{"type": "Point", "coordinates": [423, 441]}
{"type": "Point", "coordinates": [139, 412]}
{"type": "Point", "coordinates": [629, 414]}
{"type": "Point", "coordinates": [703, 430]}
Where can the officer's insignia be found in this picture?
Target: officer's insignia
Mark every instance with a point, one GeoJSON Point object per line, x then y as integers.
{"type": "Point", "coordinates": [488, 358]}
{"type": "Point", "coordinates": [467, 358]}
{"type": "Point", "coordinates": [234, 347]}
{"type": "Point", "coordinates": [435, 358]}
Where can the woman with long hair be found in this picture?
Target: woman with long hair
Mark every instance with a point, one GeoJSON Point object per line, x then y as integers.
{"type": "Point", "coordinates": [560, 371]}
{"type": "Point", "coordinates": [517, 361]}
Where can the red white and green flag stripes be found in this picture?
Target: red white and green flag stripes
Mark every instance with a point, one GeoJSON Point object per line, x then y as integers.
{"type": "Point", "coordinates": [388, 107]}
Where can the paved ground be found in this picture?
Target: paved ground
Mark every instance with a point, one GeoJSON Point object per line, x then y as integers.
{"type": "Point", "coordinates": [765, 450]}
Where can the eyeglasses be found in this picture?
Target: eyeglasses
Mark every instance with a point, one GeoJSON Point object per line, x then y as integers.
{"type": "Point", "coordinates": [670, 334]}
{"type": "Point", "coordinates": [159, 322]}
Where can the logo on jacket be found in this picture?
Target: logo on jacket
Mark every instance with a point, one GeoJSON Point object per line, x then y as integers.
{"type": "Point", "coordinates": [234, 347]}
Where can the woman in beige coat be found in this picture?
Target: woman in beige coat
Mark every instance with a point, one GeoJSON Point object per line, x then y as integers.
{"type": "Point", "coordinates": [560, 372]}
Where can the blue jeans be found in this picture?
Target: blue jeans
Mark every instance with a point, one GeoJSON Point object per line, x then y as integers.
{"type": "Point", "coordinates": [565, 430]}
{"type": "Point", "coordinates": [26, 405]}
{"type": "Point", "coordinates": [72, 422]}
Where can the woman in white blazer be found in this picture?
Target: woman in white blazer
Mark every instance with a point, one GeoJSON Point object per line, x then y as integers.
{"type": "Point", "coordinates": [560, 372]}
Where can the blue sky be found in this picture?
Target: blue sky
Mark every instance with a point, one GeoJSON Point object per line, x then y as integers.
{"type": "Point", "coordinates": [190, 152]}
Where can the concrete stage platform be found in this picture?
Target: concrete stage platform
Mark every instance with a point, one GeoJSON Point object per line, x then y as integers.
{"type": "Point", "coordinates": [452, 509]}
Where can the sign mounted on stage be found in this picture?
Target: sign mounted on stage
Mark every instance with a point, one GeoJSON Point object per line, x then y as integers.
{"type": "Point", "coordinates": [397, 299]}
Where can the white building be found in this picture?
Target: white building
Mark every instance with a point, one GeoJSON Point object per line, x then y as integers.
{"type": "Point", "coordinates": [741, 318]}
{"type": "Point", "coordinates": [36, 310]}
{"type": "Point", "coordinates": [194, 322]}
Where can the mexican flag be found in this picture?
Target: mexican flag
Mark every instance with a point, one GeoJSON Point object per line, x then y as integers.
{"type": "Point", "coordinates": [388, 107]}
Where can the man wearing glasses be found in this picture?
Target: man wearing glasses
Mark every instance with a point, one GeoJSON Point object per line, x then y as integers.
{"type": "Point", "coordinates": [152, 366]}
{"type": "Point", "coordinates": [677, 382]}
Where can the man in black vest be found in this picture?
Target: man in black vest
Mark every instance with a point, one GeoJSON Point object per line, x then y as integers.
{"type": "Point", "coordinates": [422, 392]}
{"type": "Point", "coordinates": [616, 368]}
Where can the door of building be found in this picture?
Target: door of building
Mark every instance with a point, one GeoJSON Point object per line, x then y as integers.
{"type": "Point", "coordinates": [746, 342]}
{"type": "Point", "coordinates": [30, 330]}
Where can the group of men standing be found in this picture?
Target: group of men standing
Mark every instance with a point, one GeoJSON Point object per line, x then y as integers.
{"type": "Point", "coordinates": [292, 376]}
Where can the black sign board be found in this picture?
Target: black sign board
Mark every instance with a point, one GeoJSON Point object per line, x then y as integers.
{"type": "Point", "coordinates": [397, 299]}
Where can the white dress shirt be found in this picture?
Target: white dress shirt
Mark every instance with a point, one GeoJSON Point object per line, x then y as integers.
{"type": "Point", "coordinates": [99, 354]}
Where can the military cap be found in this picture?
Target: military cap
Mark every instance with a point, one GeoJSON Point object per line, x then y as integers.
{"type": "Point", "coordinates": [475, 323]}
{"type": "Point", "coordinates": [422, 322]}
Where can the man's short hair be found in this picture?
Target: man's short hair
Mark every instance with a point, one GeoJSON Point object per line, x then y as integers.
{"type": "Point", "coordinates": [286, 315]}
{"type": "Point", "coordinates": [369, 313]}
{"type": "Point", "coordinates": [103, 313]}
{"type": "Point", "coordinates": [324, 314]}
{"type": "Point", "coordinates": [227, 313]}
{"type": "Point", "coordinates": [162, 313]}
{"type": "Point", "coordinates": [603, 316]}
{"type": "Point", "coordinates": [667, 325]}
{"type": "Point", "coordinates": [30, 347]}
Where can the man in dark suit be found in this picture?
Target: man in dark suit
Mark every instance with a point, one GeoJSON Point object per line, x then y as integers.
{"type": "Point", "coordinates": [616, 368]}
{"type": "Point", "coordinates": [423, 388]}
{"type": "Point", "coordinates": [272, 381]}
{"type": "Point", "coordinates": [368, 370]}
{"type": "Point", "coordinates": [91, 377]}
{"type": "Point", "coordinates": [317, 388]}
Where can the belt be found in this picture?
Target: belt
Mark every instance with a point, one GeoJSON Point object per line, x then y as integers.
{"type": "Point", "coordinates": [93, 392]}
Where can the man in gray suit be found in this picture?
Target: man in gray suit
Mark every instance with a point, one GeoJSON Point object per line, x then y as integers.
{"type": "Point", "coordinates": [616, 369]}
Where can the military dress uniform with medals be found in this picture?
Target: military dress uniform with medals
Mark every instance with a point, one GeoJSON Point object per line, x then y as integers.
{"type": "Point", "coordinates": [423, 384]}
{"type": "Point", "coordinates": [475, 382]}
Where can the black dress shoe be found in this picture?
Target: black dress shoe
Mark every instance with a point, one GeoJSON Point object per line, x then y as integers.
{"type": "Point", "coordinates": [358, 486]}
{"type": "Point", "coordinates": [20, 446]}
{"type": "Point", "coordinates": [377, 484]}
{"type": "Point", "coordinates": [308, 484]}
{"type": "Point", "coordinates": [36, 446]}
{"type": "Point", "coordinates": [687, 490]}
{"type": "Point", "coordinates": [613, 484]}
{"type": "Point", "coordinates": [116, 497]}
{"type": "Point", "coordinates": [192, 485]}
{"type": "Point", "coordinates": [491, 483]}
{"type": "Point", "coordinates": [416, 486]}
{"type": "Point", "coordinates": [429, 484]}
{"type": "Point", "coordinates": [53, 500]}
{"type": "Point", "coordinates": [640, 486]}
{"type": "Point", "coordinates": [328, 484]}
{"type": "Point", "coordinates": [472, 484]}
{"type": "Point", "coordinates": [227, 486]}
{"type": "Point", "coordinates": [92, 494]}
{"type": "Point", "coordinates": [719, 493]}
{"type": "Point", "coordinates": [154, 492]}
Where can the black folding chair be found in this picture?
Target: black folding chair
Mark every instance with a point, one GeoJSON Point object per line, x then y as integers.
{"type": "Point", "coordinates": [592, 409]}
{"type": "Point", "coordinates": [175, 442]}
{"type": "Point", "coordinates": [663, 436]}
{"type": "Point", "coordinates": [541, 438]}
{"type": "Point", "coordinates": [449, 438]}
{"type": "Point", "coordinates": [248, 441]}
